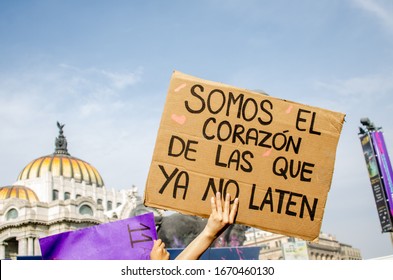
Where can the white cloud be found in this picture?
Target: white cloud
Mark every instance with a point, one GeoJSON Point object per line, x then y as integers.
{"type": "Point", "coordinates": [67, 89]}
{"type": "Point", "coordinates": [122, 80]}
{"type": "Point", "coordinates": [101, 80]}
{"type": "Point", "coordinates": [90, 108]}
{"type": "Point", "coordinates": [382, 10]}
{"type": "Point", "coordinates": [359, 86]}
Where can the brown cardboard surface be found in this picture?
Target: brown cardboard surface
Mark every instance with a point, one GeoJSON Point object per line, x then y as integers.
{"type": "Point", "coordinates": [277, 156]}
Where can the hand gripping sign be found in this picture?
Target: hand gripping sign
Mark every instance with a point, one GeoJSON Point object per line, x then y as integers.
{"type": "Point", "coordinates": [277, 156]}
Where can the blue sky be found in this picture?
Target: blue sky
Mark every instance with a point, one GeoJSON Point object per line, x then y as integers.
{"type": "Point", "coordinates": [103, 69]}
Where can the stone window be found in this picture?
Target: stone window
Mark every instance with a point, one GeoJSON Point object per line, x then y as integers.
{"type": "Point", "coordinates": [55, 195]}
{"type": "Point", "coordinates": [86, 210]}
{"type": "Point", "coordinates": [12, 214]}
{"type": "Point", "coordinates": [109, 205]}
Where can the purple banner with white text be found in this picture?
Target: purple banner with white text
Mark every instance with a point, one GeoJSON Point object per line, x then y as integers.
{"type": "Point", "coordinates": [376, 184]}
{"type": "Point", "coordinates": [385, 166]}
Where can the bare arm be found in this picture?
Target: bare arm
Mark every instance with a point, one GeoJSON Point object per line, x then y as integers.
{"type": "Point", "coordinates": [218, 221]}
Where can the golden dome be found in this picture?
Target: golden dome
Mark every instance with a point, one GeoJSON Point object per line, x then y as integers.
{"type": "Point", "coordinates": [20, 192]}
{"type": "Point", "coordinates": [61, 163]}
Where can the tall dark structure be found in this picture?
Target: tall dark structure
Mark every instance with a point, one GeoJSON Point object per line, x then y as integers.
{"type": "Point", "coordinates": [379, 170]}
{"type": "Point", "coordinates": [61, 141]}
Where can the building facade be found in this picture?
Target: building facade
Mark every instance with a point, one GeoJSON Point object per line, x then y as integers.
{"type": "Point", "coordinates": [57, 193]}
{"type": "Point", "coordinates": [281, 247]}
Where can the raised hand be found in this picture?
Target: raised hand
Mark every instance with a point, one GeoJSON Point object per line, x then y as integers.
{"type": "Point", "coordinates": [218, 221]}
{"type": "Point", "coordinates": [221, 218]}
{"type": "Point", "coordinates": [158, 252]}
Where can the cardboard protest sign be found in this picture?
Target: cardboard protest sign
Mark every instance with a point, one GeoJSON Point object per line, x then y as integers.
{"type": "Point", "coordinates": [277, 156]}
{"type": "Point", "coordinates": [128, 239]}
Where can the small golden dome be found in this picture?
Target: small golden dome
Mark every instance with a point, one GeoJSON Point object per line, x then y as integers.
{"type": "Point", "coordinates": [17, 191]}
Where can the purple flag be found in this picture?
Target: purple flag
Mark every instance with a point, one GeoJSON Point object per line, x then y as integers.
{"type": "Point", "coordinates": [385, 166]}
{"type": "Point", "coordinates": [128, 239]}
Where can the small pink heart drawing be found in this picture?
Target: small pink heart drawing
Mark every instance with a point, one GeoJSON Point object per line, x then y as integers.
{"type": "Point", "coordinates": [180, 87]}
{"type": "Point", "coordinates": [267, 153]}
{"type": "Point", "coordinates": [179, 119]}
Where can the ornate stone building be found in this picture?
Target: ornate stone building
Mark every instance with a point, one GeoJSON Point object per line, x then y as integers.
{"type": "Point", "coordinates": [57, 193]}
{"type": "Point", "coordinates": [277, 247]}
